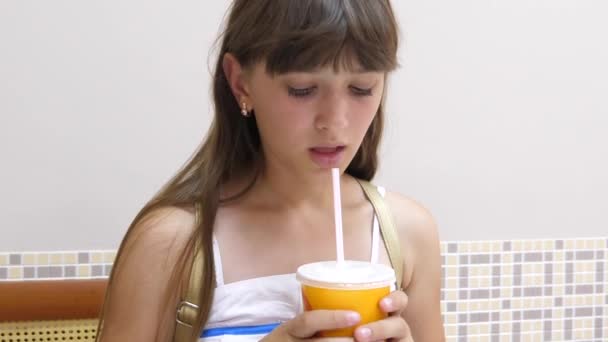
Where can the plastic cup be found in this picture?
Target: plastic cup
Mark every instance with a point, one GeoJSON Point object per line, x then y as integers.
{"type": "Point", "coordinates": [349, 285]}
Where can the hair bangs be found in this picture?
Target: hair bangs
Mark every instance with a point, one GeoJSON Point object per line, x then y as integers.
{"type": "Point", "coordinates": [345, 35]}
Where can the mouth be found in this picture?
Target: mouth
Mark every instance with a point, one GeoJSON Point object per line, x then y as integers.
{"type": "Point", "coordinates": [327, 156]}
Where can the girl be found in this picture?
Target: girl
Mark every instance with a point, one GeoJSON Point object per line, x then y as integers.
{"type": "Point", "coordinates": [298, 89]}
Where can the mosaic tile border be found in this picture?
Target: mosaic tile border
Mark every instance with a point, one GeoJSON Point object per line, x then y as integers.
{"type": "Point", "coordinates": [495, 291]}
{"type": "Point", "coordinates": [56, 265]}
{"type": "Point", "coordinates": [525, 290]}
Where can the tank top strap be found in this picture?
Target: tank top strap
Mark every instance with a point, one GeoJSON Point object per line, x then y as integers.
{"type": "Point", "coordinates": [217, 262]}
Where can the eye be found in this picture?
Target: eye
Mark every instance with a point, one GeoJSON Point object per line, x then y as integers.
{"type": "Point", "coordinates": [300, 92]}
{"type": "Point", "coordinates": [361, 91]}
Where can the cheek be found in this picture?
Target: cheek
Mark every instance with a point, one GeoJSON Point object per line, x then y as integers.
{"type": "Point", "coordinates": [364, 115]}
{"type": "Point", "coordinates": [281, 114]}
{"type": "Point", "coordinates": [283, 125]}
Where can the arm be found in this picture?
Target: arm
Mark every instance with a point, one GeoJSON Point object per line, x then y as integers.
{"type": "Point", "coordinates": [422, 255]}
{"type": "Point", "coordinates": [136, 304]}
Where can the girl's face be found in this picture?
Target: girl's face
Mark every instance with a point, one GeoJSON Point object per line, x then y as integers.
{"type": "Point", "coordinates": [313, 121]}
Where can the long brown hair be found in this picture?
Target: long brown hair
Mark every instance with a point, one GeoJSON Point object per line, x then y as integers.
{"type": "Point", "coordinates": [288, 35]}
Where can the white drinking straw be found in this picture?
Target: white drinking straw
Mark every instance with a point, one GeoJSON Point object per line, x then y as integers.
{"type": "Point", "coordinates": [335, 173]}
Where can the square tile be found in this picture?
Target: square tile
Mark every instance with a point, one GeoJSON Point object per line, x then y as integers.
{"type": "Point", "coordinates": [97, 258]}
{"type": "Point", "coordinates": [70, 258]}
{"type": "Point", "coordinates": [29, 272]}
{"type": "Point", "coordinates": [462, 318]}
{"type": "Point", "coordinates": [29, 259]}
{"type": "Point", "coordinates": [452, 248]}
{"type": "Point", "coordinates": [570, 244]}
{"type": "Point", "coordinates": [44, 272]}
{"type": "Point", "coordinates": [464, 259]}
{"type": "Point", "coordinates": [70, 271]}
{"type": "Point", "coordinates": [108, 257]}
{"type": "Point", "coordinates": [84, 271]}
{"type": "Point", "coordinates": [452, 260]}
{"type": "Point", "coordinates": [56, 271]}
{"type": "Point", "coordinates": [14, 259]}
{"type": "Point", "coordinates": [496, 246]}
{"type": "Point", "coordinates": [97, 270]}
{"type": "Point", "coordinates": [15, 273]}
{"type": "Point", "coordinates": [42, 259]}
{"type": "Point", "coordinates": [559, 301]}
{"type": "Point", "coordinates": [517, 245]}
{"type": "Point", "coordinates": [56, 259]}
{"type": "Point", "coordinates": [462, 332]}
{"type": "Point", "coordinates": [83, 258]}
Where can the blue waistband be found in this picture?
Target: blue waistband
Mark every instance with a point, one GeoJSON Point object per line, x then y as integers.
{"type": "Point", "coordinates": [246, 330]}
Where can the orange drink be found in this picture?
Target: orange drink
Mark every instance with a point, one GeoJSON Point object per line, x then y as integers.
{"type": "Point", "coordinates": [351, 285]}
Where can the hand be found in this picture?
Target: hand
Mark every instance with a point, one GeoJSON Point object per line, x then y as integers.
{"type": "Point", "coordinates": [393, 328]}
{"type": "Point", "coordinates": [307, 324]}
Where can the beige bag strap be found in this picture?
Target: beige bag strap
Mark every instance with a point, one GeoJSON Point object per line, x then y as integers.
{"type": "Point", "coordinates": [188, 309]}
{"type": "Point", "coordinates": [387, 227]}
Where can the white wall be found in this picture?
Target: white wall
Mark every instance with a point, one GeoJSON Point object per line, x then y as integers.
{"type": "Point", "coordinates": [495, 119]}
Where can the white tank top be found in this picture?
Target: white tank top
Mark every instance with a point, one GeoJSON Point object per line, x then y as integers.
{"type": "Point", "coordinates": [249, 309]}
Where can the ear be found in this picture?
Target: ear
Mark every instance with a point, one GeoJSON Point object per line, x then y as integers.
{"type": "Point", "coordinates": [236, 78]}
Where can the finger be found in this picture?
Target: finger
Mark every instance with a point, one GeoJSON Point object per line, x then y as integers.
{"type": "Point", "coordinates": [332, 339]}
{"type": "Point", "coordinates": [396, 302]}
{"type": "Point", "coordinates": [393, 327]}
{"type": "Point", "coordinates": [309, 323]}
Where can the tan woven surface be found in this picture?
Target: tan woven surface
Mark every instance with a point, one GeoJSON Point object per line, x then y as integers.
{"type": "Point", "coordinates": [38, 331]}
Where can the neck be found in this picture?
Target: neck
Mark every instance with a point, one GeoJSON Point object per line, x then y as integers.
{"type": "Point", "coordinates": [297, 190]}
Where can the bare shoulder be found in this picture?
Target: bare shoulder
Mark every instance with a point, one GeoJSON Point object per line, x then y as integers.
{"type": "Point", "coordinates": [413, 221]}
{"type": "Point", "coordinates": [161, 228]}
{"type": "Point", "coordinates": [418, 235]}
{"type": "Point", "coordinates": [143, 293]}
{"type": "Point", "coordinates": [158, 237]}
{"type": "Point", "coordinates": [422, 263]}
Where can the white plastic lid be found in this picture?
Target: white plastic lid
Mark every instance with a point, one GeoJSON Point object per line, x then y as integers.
{"type": "Point", "coordinates": [348, 275]}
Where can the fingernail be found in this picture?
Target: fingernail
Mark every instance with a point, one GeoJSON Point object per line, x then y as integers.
{"type": "Point", "coordinates": [387, 303]}
{"type": "Point", "coordinates": [365, 332]}
{"type": "Point", "coordinates": [353, 318]}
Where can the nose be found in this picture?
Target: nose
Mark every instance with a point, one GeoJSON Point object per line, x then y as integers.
{"type": "Point", "coordinates": [332, 113]}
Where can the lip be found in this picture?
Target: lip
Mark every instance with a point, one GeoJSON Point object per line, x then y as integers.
{"type": "Point", "coordinates": [327, 156]}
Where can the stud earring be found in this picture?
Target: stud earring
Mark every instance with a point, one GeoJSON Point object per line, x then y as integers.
{"type": "Point", "coordinates": [244, 110]}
